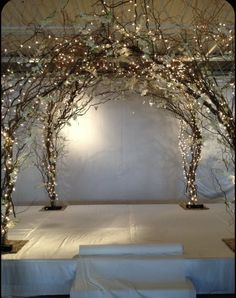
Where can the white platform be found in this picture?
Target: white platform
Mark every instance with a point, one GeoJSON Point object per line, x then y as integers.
{"type": "Point", "coordinates": [46, 265]}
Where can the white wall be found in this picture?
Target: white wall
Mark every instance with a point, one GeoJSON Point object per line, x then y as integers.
{"type": "Point", "coordinates": [124, 150]}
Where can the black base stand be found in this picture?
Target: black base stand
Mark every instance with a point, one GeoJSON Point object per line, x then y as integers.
{"type": "Point", "coordinates": [53, 208]}
{"type": "Point", "coordinates": [195, 206]}
{"type": "Point", "coordinates": [12, 246]}
{"type": "Point", "coordinates": [230, 242]}
{"type": "Point", "coordinates": [6, 247]}
{"type": "Point", "coordinates": [187, 206]}
{"type": "Point", "coordinates": [47, 208]}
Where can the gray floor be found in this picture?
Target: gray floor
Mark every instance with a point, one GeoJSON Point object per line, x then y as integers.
{"type": "Point", "coordinates": [198, 296]}
{"type": "Point", "coordinates": [216, 296]}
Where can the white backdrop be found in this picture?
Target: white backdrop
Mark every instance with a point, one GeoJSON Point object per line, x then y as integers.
{"type": "Point", "coordinates": [124, 150]}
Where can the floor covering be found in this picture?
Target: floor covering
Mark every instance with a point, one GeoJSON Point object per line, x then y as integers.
{"type": "Point", "coordinates": [54, 238]}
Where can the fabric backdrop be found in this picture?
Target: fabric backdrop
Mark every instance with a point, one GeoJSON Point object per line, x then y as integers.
{"type": "Point", "coordinates": [123, 150]}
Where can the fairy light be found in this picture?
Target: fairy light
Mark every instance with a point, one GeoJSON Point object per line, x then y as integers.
{"type": "Point", "coordinates": [193, 153]}
{"type": "Point", "coordinates": [10, 171]}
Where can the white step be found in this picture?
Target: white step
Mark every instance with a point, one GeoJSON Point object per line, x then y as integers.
{"type": "Point", "coordinates": [131, 249]}
{"type": "Point", "coordinates": [122, 289]}
{"type": "Point", "coordinates": [131, 268]}
{"type": "Point", "coordinates": [131, 277]}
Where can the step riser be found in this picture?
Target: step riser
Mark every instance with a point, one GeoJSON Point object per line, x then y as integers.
{"type": "Point", "coordinates": [175, 293]}
{"type": "Point", "coordinates": [136, 276]}
{"type": "Point", "coordinates": [137, 270]}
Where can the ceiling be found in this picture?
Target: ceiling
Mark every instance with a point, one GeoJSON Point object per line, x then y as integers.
{"type": "Point", "coordinates": [19, 15]}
